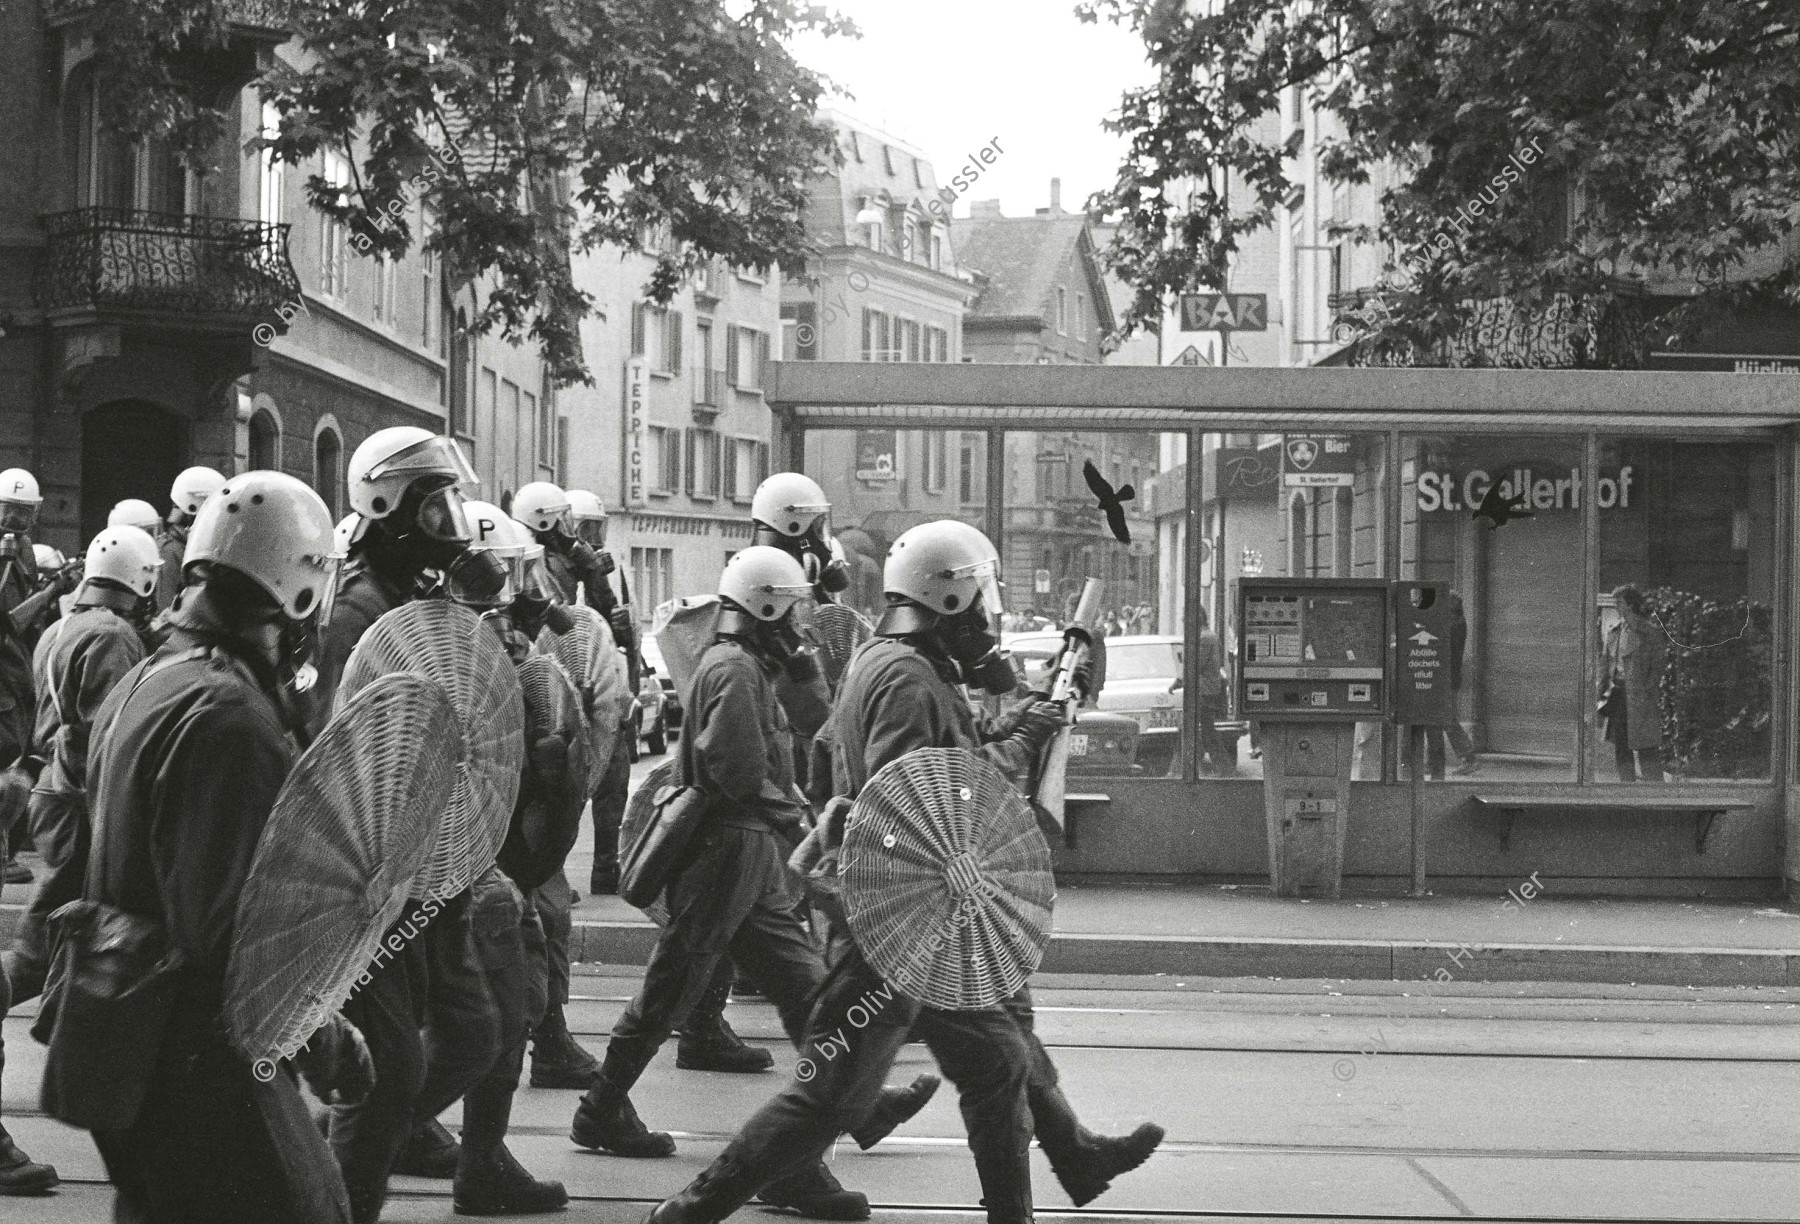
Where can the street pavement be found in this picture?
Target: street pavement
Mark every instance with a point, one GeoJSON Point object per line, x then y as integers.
{"type": "Point", "coordinates": [1287, 1100]}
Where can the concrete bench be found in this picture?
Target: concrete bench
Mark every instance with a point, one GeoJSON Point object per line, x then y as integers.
{"type": "Point", "coordinates": [1705, 809]}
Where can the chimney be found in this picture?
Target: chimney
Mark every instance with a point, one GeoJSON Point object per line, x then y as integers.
{"type": "Point", "coordinates": [1055, 195]}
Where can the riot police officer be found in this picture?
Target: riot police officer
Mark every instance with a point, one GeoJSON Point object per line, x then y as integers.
{"type": "Point", "coordinates": [411, 540]}
{"type": "Point", "coordinates": [188, 758]}
{"type": "Point", "coordinates": [187, 494]}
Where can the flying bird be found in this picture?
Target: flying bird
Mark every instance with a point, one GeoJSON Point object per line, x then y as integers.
{"type": "Point", "coordinates": [1112, 504]}
{"type": "Point", "coordinates": [1499, 508]}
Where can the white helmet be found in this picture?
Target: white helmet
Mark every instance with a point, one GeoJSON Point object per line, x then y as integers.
{"type": "Point", "coordinates": [391, 459]}
{"type": "Point", "coordinates": [19, 500]}
{"type": "Point", "coordinates": [763, 581]}
{"type": "Point", "coordinates": [589, 514]}
{"type": "Point", "coordinates": [128, 556]}
{"type": "Point", "coordinates": [543, 507]}
{"type": "Point", "coordinates": [47, 558]}
{"type": "Point", "coordinates": [945, 566]}
{"type": "Point", "coordinates": [345, 533]}
{"type": "Point", "coordinates": [193, 487]}
{"type": "Point", "coordinates": [276, 531]}
{"type": "Point", "coordinates": [134, 512]}
{"type": "Point", "coordinates": [789, 502]}
{"type": "Point", "coordinates": [493, 531]}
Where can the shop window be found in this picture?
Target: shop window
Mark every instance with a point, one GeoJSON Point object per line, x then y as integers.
{"type": "Point", "coordinates": [1498, 519]}
{"type": "Point", "coordinates": [1683, 641]}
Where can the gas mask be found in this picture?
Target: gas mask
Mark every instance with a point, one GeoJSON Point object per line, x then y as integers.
{"type": "Point", "coordinates": [430, 526]}
{"type": "Point", "coordinates": [969, 638]}
{"type": "Point", "coordinates": [478, 578]}
{"type": "Point", "coordinates": [812, 548]}
{"type": "Point", "coordinates": [17, 517]}
{"type": "Point", "coordinates": [537, 605]}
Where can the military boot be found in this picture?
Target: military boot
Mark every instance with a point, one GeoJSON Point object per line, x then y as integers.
{"type": "Point", "coordinates": [19, 1173]}
{"type": "Point", "coordinates": [721, 1049]}
{"type": "Point", "coordinates": [557, 1059]}
{"type": "Point", "coordinates": [894, 1106]}
{"type": "Point", "coordinates": [429, 1152]}
{"type": "Point", "coordinates": [722, 1187]}
{"type": "Point", "coordinates": [1086, 1174]}
{"type": "Point", "coordinates": [816, 1194]}
{"type": "Point", "coordinates": [494, 1184]}
{"type": "Point", "coordinates": [605, 1121]}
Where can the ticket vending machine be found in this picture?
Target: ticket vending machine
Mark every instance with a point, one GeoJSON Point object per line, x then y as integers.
{"type": "Point", "coordinates": [1313, 662]}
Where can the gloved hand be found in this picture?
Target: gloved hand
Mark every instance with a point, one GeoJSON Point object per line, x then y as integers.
{"type": "Point", "coordinates": [1038, 724]}
{"type": "Point", "coordinates": [547, 764]}
{"type": "Point", "coordinates": [623, 627]}
{"type": "Point", "coordinates": [336, 1063]}
{"type": "Point", "coordinates": [15, 794]}
{"type": "Point", "coordinates": [588, 562]}
{"type": "Point", "coordinates": [803, 667]}
{"type": "Point", "coordinates": [815, 860]}
{"type": "Point", "coordinates": [67, 578]}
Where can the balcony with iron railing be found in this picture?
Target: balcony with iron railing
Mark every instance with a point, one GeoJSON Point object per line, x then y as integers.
{"type": "Point", "coordinates": [172, 268]}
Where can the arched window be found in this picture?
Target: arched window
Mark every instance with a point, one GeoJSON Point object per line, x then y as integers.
{"type": "Point", "coordinates": [328, 470]}
{"type": "Point", "coordinates": [265, 442]}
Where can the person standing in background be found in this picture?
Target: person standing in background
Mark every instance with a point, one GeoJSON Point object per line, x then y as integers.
{"type": "Point", "coordinates": [1634, 656]}
{"type": "Point", "coordinates": [186, 496]}
{"type": "Point", "coordinates": [1217, 757]}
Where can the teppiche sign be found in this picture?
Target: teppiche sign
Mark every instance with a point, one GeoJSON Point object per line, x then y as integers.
{"type": "Point", "coordinates": [1224, 312]}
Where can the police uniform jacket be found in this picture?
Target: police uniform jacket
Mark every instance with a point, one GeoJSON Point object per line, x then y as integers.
{"type": "Point", "coordinates": [88, 657]}
{"type": "Point", "coordinates": [567, 574]}
{"type": "Point", "coordinates": [902, 694]}
{"type": "Point", "coordinates": [188, 755]}
{"type": "Point", "coordinates": [18, 582]}
{"type": "Point", "coordinates": [363, 597]}
{"type": "Point", "coordinates": [171, 543]}
{"type": "Point", "coordinates": [737, 743]}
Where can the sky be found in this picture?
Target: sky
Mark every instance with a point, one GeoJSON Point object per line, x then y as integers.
{"type": "Point", "coordinates": [949, 76]}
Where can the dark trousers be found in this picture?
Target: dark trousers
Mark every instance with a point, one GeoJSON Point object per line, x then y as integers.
{"type": "Point", "coordinates": [434, 981]}
{"type": "Point", "coordinates": [551, 901]}
{"type": "Point", "coordinates": [509, 942]}
{"type": "Point", "coordinates": [608, 805]}
{"type": "Point", "coordinates": [1439, 741]}
{"type": "Point", "coordinates": [844, 1064]}
{"type": "Point", "coordinates": [1212, 745]}
{"type": "Point", "coordinates": [213, 1146]}
{"type": "Point", "coordinates": [732, 897]}
{"type": "Point", "coordinates": [59, 826]}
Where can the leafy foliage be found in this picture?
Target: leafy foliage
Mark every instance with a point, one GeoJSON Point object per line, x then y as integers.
{"type": "Point", "coordinates": [530, 127]}
{"type": "Point", "coordinates": [1675, 122]}
{"type": "Point", "coordinates": [1716, 689]}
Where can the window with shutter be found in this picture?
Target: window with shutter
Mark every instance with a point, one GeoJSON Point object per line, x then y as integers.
{"type": "Point", "coordinates": [762, 357]}
{"type": "Point", "coordinates": [637, 329]}
{"type": "Point", "coordinates": [689, 448]}
{"type": "Point", "coordinates": [672, 328]}
{"type": "Point", "coordinates": [731, 355]}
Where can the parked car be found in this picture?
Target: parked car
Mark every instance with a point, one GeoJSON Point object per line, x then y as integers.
{"type": "Point", "coordinates": [1143, 679]}
{"type": "Point", "coordinates": [652, 656]}
{"type": "Point", "coordinates": [656, 712]}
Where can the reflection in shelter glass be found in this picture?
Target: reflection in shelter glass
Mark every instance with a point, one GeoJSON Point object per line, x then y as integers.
{"type": "Point", "coordinates": [1686, 596]}
{"type": "Point", "coordinates": [1497, 519]}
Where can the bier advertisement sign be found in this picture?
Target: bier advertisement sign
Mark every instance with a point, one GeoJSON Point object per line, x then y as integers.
{"type": "Point", "coordinates": [1317, 461]}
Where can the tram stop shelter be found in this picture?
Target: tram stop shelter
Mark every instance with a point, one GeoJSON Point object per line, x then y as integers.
{"type": "Point", "coordinates": [1545, 501]}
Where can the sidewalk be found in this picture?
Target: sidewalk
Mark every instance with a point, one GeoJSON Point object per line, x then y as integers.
{"type": "Point", "coordinates": [1244, 931]}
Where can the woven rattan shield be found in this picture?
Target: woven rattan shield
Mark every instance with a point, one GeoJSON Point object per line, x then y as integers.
{"type": "Point", "coordinates": [336, 860]}
{"type": "Point", "coordinates": [553, 707]}
{"type": "Point", "coordinates": [590, 655]}
{"type": "Point", "coordinates": [839, 631]}
{"type": "Point", "coordinates": [946, 880]}
{"type": "Point", "coordinates": [637, 814]}
{"type": "Point", "coordinates": [448, 643]}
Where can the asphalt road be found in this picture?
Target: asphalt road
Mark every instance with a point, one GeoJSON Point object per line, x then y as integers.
{"type": "Point", "coordinates": [1283, 1101]}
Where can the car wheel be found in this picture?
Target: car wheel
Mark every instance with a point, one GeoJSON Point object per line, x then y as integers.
{"type": "Point", "coordinates": [658, 741]}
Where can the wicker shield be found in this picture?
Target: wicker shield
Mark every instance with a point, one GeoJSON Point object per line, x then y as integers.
{"type": "Point", "coordinates": [336, 859]}
{"type": "Point", "coordinates": [448, 643]}
{"type": "Point", "coordinates": [637, 813]}
{"type": "Point", "coordinates": [553, 707]}
{"type": "Point", "coordinates": [839, 631]}
{"type": "Point", "coordinates": [946, 880]}
{"type": "Point", "coordinates": [590, 656]}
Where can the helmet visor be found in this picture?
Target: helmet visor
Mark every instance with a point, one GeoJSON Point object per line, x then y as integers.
{"type": "Point", "coordinates": [480, 579]}
{"type": "Point", "coordinates": [440, 516]}
{"type": "Point", "coordinates": [436, 455]}
{"type": "Point", "coordinates": [591, 531]}
{"type": "Point", "coordinates": [532, 578]}
{"type": "Point", "coordinates": [17, 516]}
{"type": "Point", "coordinates": [333, 566]}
